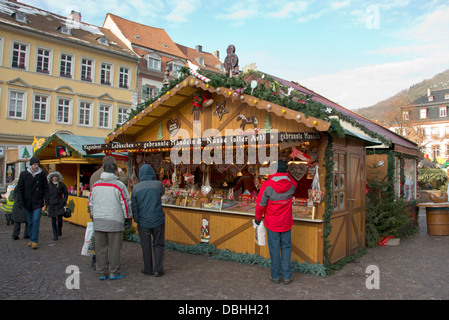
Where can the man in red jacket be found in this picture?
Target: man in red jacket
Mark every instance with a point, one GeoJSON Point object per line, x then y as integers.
{"type": "Point", "coordinates": [274, 204]}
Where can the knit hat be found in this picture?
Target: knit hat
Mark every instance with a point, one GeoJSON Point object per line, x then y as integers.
{"type": "Point", "coordinates": [34, 160]}
{"type": "Point", "coordinates": [282, 166]}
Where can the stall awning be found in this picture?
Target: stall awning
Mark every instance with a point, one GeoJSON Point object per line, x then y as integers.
{"type": "Point", "coordinates": [72, 143]}
{"type": "Point", "coordinates": [368, 140]}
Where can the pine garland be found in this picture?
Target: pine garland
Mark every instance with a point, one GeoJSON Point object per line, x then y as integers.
{"type": "Point", "coordinates": [228, 255]}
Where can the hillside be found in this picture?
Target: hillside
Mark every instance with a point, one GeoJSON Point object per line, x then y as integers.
{"type": "Point", "coordinates": [382, 111]}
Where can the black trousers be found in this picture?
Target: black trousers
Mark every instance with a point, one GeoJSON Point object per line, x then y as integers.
{"type": "Point", "coordinates": [16, 231]}
{"type": "Point", "coordinates": [152, 249]}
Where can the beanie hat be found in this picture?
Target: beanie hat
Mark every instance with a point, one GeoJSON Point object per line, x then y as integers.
{"type": "Point", "coordinates": [34, 160]}
{"type": "Point", "coordinates": [282, 166]}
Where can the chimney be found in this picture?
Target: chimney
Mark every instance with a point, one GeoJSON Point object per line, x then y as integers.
{"type": "Point", "coordinates": [429, 92]}
{"type": "Point", "coordinates": [217, 54]}
{"type": "Point", "coordinates": [75, 16]}
{"type": "Point", "coordinates": [199, 48]}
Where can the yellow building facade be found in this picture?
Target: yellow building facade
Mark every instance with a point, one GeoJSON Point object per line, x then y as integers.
{"type": "Point", "coordinates": [58, 74]}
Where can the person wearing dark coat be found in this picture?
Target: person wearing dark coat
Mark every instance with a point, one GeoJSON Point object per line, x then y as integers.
{"type": "Point", "coordinates": [150, 218]}
{"type": "Point", "coordinates": [18, 216]}
{"type": "Point", "coordinates": [57, 195]}
{"type": "Point", "coordinates": [31, 191]}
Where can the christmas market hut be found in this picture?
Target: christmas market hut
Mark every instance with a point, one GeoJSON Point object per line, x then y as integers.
{"type": "Point", "coordinates": [64, 153]}
{"type": "Point", "coordinates": [213, 140]}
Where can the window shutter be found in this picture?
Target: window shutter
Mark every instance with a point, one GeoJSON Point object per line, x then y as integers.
{"type": "Point", "coordinates": [144, 92]}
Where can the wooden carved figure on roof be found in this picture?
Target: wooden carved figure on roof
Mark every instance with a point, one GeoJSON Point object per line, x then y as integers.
{"type": "Point", "coordinates": [247, 120]}
{"type": "Point", "coordinates": [231, 61]}
{"type": "Point", "coordinates": [167, 74]}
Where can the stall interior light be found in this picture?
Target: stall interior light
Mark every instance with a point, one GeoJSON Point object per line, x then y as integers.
{"type": "Point", "coordinates": [297, 162]}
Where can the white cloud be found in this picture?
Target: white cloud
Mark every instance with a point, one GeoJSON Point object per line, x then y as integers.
{"type": "Point", "coordinates": [340, 4]}
{"type": "Point", "coordinates": [423, 55]}
{"type": "Point", "coordinates": [181, 9]}
{"type": "Point", "coordinates": [289, 9]}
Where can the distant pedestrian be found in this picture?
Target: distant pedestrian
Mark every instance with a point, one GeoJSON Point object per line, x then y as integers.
{"type": "Point", "coordinates": [7, 208]}
{"type": "Point", "coordinates": [274, 205]}
{"type": "Point", "coordinates": [150, 219]}
{"type": "Point", "coordinates": [58, 196]}
{"type": "Point", "coordinates": [110, 206]}
{"type": "Point", "coordinates": [31, 191]}
{"type": "Point", "coordinates": [18, 216]}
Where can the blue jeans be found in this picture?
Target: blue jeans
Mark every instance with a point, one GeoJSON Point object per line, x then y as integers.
{"type": "Point", "coordinates": [34, 219]}
{"type": "Point", "coordinates": [280, 246]}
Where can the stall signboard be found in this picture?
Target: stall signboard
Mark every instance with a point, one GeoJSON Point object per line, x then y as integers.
{"type": "Point", "coordinates": [25, 152]}
{"type": "Point", "coordinates": [264, 138]}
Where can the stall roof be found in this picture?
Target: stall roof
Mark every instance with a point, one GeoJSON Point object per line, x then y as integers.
{"type": "Point", "coordinates": [73, 143]}
{"type": "Point", "coordinates": [399, 143]}
{"type": "Point", "coordinates": [179, 94]}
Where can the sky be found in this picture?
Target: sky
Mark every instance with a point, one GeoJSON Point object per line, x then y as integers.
{"type": "Point", "coordinates": [353, 52]}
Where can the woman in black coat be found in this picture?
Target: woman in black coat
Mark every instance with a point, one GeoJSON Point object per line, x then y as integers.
{"type": "Point", "coordinates": [58, 196]}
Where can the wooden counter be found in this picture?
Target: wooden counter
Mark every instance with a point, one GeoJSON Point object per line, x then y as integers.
{"type": "Point", "coordinates": [234, 231]}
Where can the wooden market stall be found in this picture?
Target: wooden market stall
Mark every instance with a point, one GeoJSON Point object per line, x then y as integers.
{"type": "Point", "coordinates": [195, 133]}
{"type": "Point", "coordinates": [64, 153]}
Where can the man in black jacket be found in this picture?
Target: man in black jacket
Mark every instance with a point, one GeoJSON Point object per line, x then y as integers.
{"type": "Point", "coordinates": [31, 190]}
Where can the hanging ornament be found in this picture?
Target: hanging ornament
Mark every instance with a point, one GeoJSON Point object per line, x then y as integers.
{"type": "Point", "coordinates": [200, 100]}
{"type": "Point", "coordinates": [220, 109]}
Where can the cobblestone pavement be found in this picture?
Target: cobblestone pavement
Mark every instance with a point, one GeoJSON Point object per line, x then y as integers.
{"type": "Point", "coordinates": [416, 269]}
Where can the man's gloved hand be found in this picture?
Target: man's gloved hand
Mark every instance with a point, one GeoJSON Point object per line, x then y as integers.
{"type": "Point", "coordinates": [257, 222]}
{"type": "Point", "coordinates": [128, 223]}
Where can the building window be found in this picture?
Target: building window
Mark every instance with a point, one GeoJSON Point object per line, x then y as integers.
{"type": "Point", "coordinates": [436, 152]}
{"type": "Point", "coordinates": [104, 116]}
{"type": "Point", "coordinates": [64, 111]}
{"type": "Point", "coordinates": [443, 111]}
{"type": "Point", "coordinates": [154, 63]}
{"type": "Point", "coordinates": [430, 98]}
{"type": "Point", "coordinates": [104, 41]}
{"type": "Point", "coordinates": [85, 113]}
{"type": "Point", "coordinates": [435, 132]}
{"type": "Point", "coordinates": [41, 107]}
{"type": "Point", "coordinates": [66, 65]}
{"type": "Point", "coordinates": [43, 61]}
{"type": "Point", "coordinates": [106, 74]}
{"type": "Point", "coordinates": [174, 68]}
{"type": "Point", "coordinates": [405, 115]}
{"type": "Point", "coordinates": [19, 54]}
{"type": "Point", "coordinates": [423, 113]}
{"type": "Point", "coordinates": [149, 92]}
{"type": "Point", "coordinates": [65, 30]}
{"type": "Point", "coordinates": [21, 17]}
{"type": "Point", "coordinates": [122, 115]}
{"type": "Point", "coordinates": [86, 69]}
{"type": "Point", "coordinates": [339, 187]}
{"type": "Point", "coordinates": [446, 96]}
{"type": "Point", "coordinates": [16, 106]}
{"type": "Point", "coordinates": [123, 81]}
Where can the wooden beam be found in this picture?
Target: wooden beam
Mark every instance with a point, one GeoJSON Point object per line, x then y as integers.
{"type": "Point", "coordinates": [183, 228]}
{"type": "Point", "coordinates": [233, 233]}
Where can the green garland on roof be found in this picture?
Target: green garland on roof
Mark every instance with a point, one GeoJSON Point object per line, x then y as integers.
{"type": "Point", "coordinates": [276, 93]}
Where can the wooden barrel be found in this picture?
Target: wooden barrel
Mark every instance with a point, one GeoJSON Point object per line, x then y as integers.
{"type": "Point", "coordinates": [437, 221]}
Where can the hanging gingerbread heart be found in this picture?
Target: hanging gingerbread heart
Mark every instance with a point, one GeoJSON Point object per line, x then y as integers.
{"type": "Point", "coordinates": [297, 171]}
{"type": "Point", "coordinates": [173, 126]}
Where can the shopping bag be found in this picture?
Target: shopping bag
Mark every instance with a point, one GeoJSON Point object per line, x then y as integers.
{"type": "Point", "coordinates": [260, 233]}
{"type": "Point", "coordinates": [88, 246]}
{"type": "Point", "coordinates": [67, 212]}
{"type": "Point", "coordinates": [315, 193]}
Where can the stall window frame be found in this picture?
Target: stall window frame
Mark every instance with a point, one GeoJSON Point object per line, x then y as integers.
{"type": "Point", "coordinates": [339, 181]}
